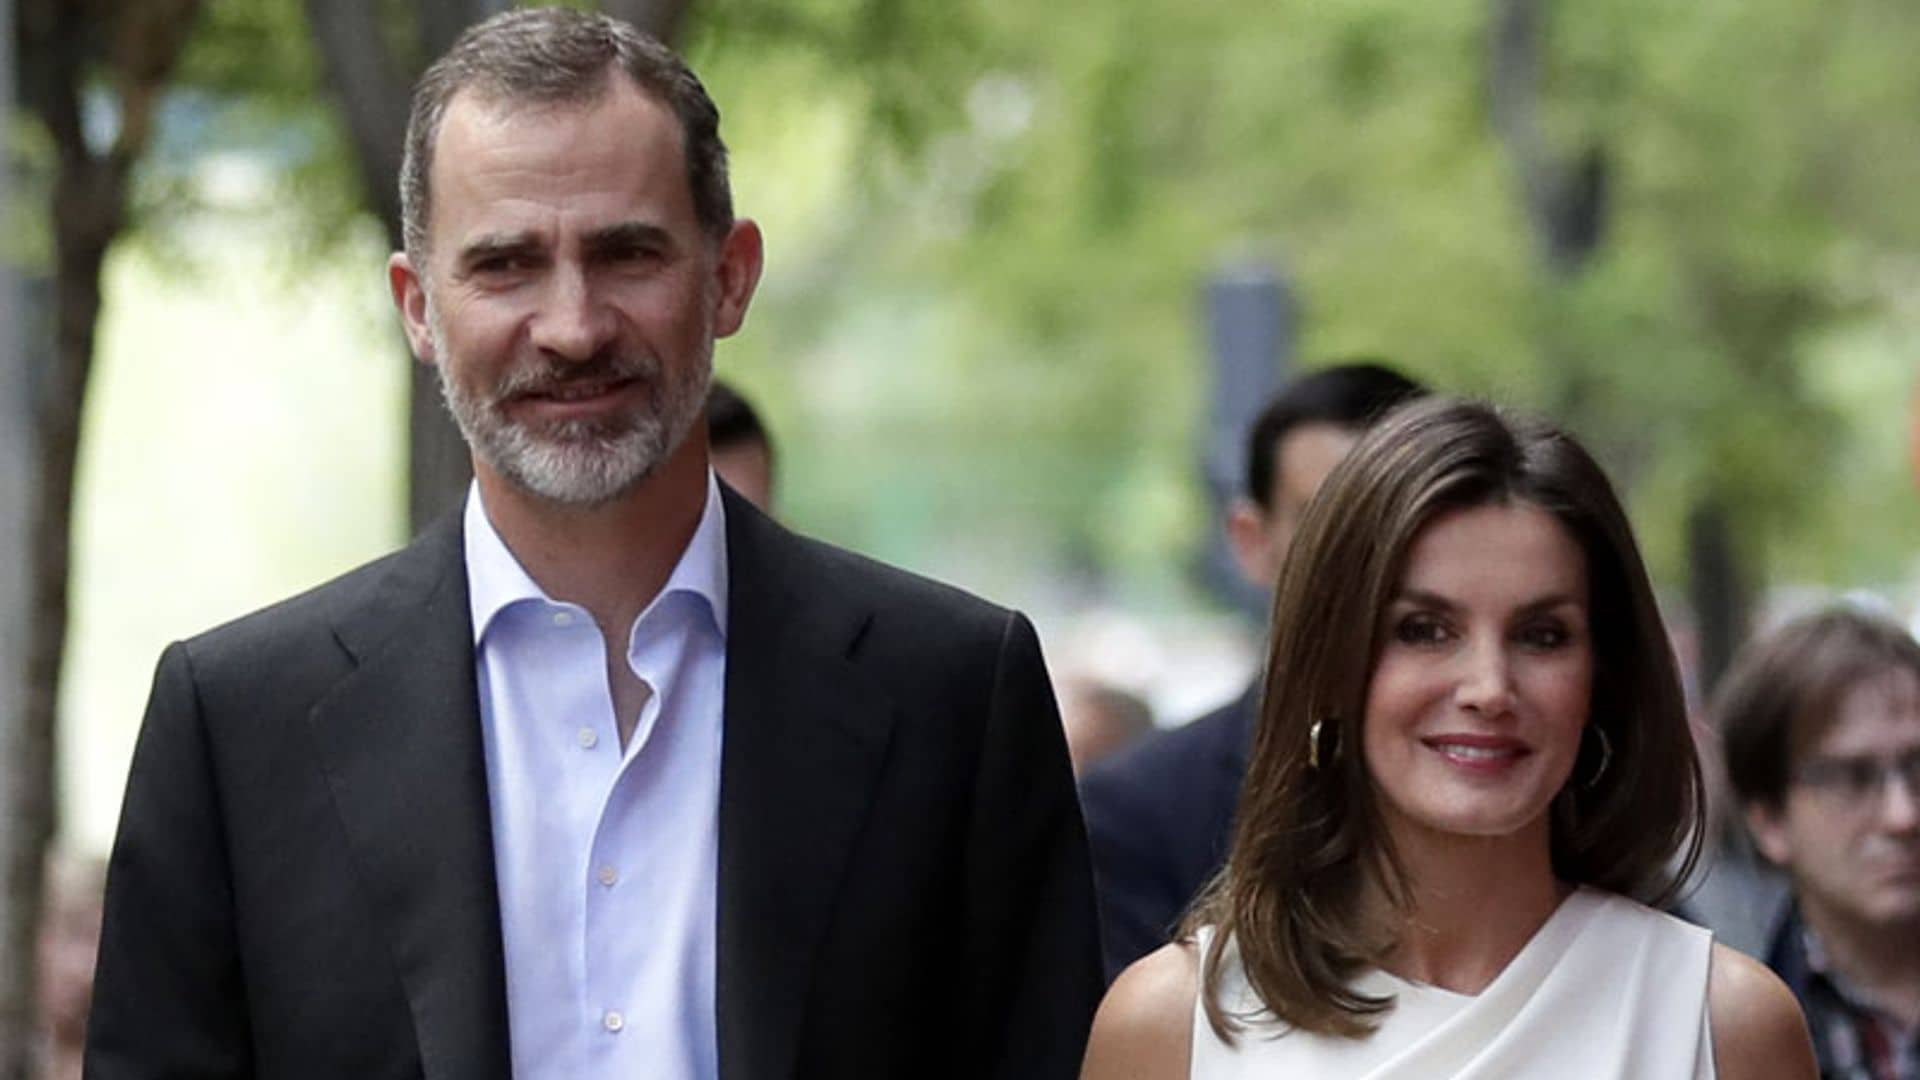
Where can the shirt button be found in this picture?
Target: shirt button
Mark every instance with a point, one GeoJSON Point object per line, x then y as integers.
{"type": "Point", "coordinates": [613, 1021]}
{"type": "Point", "coordinates": [608, 875]}
{"type": "Point", "coordinates": [589, 738]}
{"type": "Point", "coordinates": [563, 618]}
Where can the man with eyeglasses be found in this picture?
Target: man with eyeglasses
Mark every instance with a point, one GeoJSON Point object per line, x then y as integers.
{"type": "Point", "coordinates": [1821, 725]}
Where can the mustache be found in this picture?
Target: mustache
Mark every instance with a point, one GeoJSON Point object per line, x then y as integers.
{"type": "Point", "coordinates": [539, 377]}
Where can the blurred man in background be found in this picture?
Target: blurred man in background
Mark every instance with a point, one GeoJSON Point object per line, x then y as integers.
{"type": "Point", "coordinates": [1821, 724]}
{"type": "Point", "coordinates": [1101, 719]}
{"type": "Point", "coordinates": [1160, 814]}
{"type": "Point", "coordinates": [741, 449]}
{"type": "Point", "coordinates": [69, 942]}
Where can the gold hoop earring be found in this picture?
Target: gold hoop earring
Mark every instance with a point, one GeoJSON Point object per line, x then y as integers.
{"type": "Point", "coordinates": [1313, 745]}
{"type": "Point", "coordinates": [1606, 756]}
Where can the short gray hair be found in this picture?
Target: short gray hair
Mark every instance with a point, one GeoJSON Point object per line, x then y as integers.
{"type": "Point", "coordinates": [559, 56]}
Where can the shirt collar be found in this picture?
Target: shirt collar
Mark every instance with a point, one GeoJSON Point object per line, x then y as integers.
{"type": "Point", "coordinates": [497, 581]}
{"type": "Point", "coordinates": [1821, 967]}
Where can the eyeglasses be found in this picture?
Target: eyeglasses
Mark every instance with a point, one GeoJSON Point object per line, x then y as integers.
{"type": "Point", "coordinates": [1860, 781]}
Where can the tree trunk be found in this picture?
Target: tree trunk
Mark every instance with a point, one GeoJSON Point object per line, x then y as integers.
{"type": "Point", "coordinates": [83, 230]}
{"type": "Point", "coordinates": [373, 84]}
{"type": "Point", "coordinates": [19, 912]}
{"type": "Point", "coordinates": [370, 86]}
{"type": "Point", "coordinates": [1717, 589]}
{"type": "Point", "coordinates": [137, 44]}
{"type": "Point", "coordinates": [1564, 196]}
{"type": "Point", "coordinates": [1566, 202]}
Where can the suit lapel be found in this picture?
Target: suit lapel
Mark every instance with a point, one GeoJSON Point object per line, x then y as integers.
{"type": "Point", "coordinates": [805, 737]}
{"type": "Point", "coordinates": [399, 739]}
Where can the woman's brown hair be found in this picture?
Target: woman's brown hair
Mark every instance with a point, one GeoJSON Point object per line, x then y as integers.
{"type": "Point", "coordinates": [1308, 842]}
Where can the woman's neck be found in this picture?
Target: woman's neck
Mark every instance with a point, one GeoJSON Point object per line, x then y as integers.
{"type": "Point", "coordinates": [1474, 903]}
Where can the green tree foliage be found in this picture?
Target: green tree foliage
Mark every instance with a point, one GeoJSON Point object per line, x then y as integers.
{"type": "Point", "coordinates": [989, 224]}
{"type": "Point", "coordinates": [1757, 239]}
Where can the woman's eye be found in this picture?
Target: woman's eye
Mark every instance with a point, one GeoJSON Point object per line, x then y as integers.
{"type": "Point", "coordinates": [1545, 636]}
{"type": "Point", "coordinates": [1420, 630]}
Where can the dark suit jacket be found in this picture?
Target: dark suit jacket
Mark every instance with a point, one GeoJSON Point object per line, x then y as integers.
{"type": "Point", "coordinates": [303, 882]}
{"type": "Point", "coordinates": [1160, 821]}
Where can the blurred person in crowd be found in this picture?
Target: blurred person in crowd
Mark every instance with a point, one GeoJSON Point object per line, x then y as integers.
{"type": "Point", "coordinates": [1735, 892]}
{"type": "Point", "coordinates": [739, 445]}
{"type": "Point", "coordinates": [1472, 771]}
{"type": "Point", "coordinates": [1821, 725]}
{"type": "Point", "coordinates": [69, 941]}
{"type": "Point", "coordinates": [607, 775]}
{"type": "Point", "coordinates": [1100, 719]}
{"type": "Point", "coordinates": [1160, 815]}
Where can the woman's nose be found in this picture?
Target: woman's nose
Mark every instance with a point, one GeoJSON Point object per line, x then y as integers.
{"type": "Point", "coordinates": [1486, 681]}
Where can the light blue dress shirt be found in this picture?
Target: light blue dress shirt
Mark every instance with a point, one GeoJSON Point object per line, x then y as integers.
{"type": "Point", "coordinates": [607, 861]}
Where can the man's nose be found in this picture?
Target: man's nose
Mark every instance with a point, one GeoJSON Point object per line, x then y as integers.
{"type": "Point", "coordinates": [573, 321]}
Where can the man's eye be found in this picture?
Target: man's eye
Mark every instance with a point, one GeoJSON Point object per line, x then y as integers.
{"type": "Point", "coordinates": [1861, 776]}
{"type": "Point", "coordinates": [1908, 765]}
{"type": "Point", "coordinates": [502, 264]}
{"type": "Point", "coordinates": [633, 256]}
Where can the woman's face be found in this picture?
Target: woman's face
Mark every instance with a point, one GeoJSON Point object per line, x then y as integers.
{"type": "Point", "coordinates": [1476, 703]}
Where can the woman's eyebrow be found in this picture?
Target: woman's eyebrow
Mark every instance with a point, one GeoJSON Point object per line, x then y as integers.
{"type": "Point", "coordinates": [1424, 598]}
{"type": "Point", "coordinates": [1427, 598]}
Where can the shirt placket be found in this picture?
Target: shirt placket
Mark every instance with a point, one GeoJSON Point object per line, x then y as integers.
{"type": "Point", "coordinates": [617, 851]}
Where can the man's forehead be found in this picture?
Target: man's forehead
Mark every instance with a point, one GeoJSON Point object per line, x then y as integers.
{"type": "Point", "coordinates": [1877, 713]}
{"type": "Point", "coordinates": [541, 153]}
{"type": "Point", "coordinates": [481, 113]}
{"type": "Point", "coordinates": [1305, 453]}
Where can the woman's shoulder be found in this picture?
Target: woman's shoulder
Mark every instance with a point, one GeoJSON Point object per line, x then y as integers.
{"type": "Point", "coordinates": [1627, 911]}
{"type": "Point", "coordinates": [1758, 1030]}
{"type": "Point", "coordinates": [1144, 1029]}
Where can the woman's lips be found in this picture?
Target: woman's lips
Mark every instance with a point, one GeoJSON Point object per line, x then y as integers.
{"type": "Point", "coordinates": [1478, 753]}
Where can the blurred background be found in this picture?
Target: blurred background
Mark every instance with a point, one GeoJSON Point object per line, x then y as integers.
{"type": "Point", "coordinates": [1030, 267]}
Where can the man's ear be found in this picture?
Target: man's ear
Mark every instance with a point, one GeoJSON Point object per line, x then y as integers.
{"type": "Point", "coordinates": [742, 256]}
{"type": "Point", "coordinates": [1768, 827]}
{"type": "Point", "coordinates": [410, 296]}
{"type": "Point", "coordinates": [1252, 544]}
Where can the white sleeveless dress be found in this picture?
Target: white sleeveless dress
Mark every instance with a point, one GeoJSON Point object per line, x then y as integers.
{"type": "Point", "coordinates": [1607, 989]}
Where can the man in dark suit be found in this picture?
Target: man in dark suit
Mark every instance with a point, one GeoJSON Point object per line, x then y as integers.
{"type": "Point", "coordinates": [609, 775]}
{"type": "Point", "coordinates": [1160, 813]}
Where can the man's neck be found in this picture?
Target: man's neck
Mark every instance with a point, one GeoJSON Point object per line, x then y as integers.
{"type": "Point", "coordinates": [611, 559]}
{"type": "Point", "coordinates": [1881, 962]}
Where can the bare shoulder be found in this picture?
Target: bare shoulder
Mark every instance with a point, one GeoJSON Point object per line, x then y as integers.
{"type": "Point", "coordinates": [1758, 1030]}
{"type": "Point", "coordinates": [1144, 1029]}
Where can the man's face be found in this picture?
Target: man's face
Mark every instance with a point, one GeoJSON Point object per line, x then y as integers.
{"type": "Point", "coordinates": [1849, 829]}
{"type": "Point", "coordinates": [1303, 457]}
{"type": "Point", "coordinates": [570, 299]}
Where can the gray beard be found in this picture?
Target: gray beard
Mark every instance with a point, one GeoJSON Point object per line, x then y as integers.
{"type": "Point", "coordinates": [582, 463]}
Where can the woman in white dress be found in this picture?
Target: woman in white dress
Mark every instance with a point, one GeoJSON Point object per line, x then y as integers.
{"type": "Point", "coordinates": [1471, 772]}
